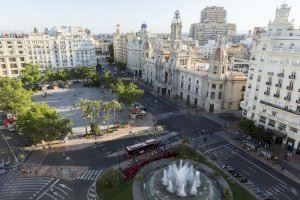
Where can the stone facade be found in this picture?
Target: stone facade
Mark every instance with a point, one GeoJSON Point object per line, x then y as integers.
{"type": "Point", "coordinates": [173, 67]}
{"type": "Point", "coordinates": [272, 97]}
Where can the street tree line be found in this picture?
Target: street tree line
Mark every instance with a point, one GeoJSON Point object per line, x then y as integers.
{"type": "Point", "coordinates": [37, 122]}
{"type": "Point", "coordinates": [31, 75]}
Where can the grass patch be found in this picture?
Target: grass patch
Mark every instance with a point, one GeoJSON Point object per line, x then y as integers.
{"type": "Point", "coordinates": [123, 191]}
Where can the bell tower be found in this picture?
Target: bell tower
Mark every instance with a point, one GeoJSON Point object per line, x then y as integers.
{"type": "Point", "coordinates": [176, 27]}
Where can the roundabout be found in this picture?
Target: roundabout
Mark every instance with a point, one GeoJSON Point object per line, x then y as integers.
{"type": "Point", "coordinates": [178, 179]}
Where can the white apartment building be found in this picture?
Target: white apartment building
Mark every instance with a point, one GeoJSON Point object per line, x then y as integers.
{"type": "Point", "coordinates": [173, 67]}
{"type": "Point", "coordinates": [12, 55]}
{"type": "Point", "coordinates": [120, 46]}
{"type": "Point", "coordinates": [61, 48]}
{"type": "Point", "coordinates": [272, 98]}
{"type": "Point", "coordinates": [212, 24]}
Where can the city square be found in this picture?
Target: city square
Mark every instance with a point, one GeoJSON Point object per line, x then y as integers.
{"type": "Point", "coordinates": [197, 100]}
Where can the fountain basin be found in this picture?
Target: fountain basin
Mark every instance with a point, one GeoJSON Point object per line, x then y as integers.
{"type": "Point", "coordinates": [177, 180]}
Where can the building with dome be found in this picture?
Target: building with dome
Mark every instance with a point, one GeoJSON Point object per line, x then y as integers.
{"type": "Point", "coordinates": [173, 67]}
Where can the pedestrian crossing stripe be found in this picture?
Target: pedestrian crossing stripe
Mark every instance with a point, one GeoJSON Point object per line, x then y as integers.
{"type": "Point", "coordinates": [90, 175]}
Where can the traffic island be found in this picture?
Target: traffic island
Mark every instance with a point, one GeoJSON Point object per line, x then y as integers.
{"type": "Point", "coordinates": [134, 182]}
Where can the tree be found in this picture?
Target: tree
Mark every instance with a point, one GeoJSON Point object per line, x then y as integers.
{"type": "Point", "coordinates": [96, 107]}
{"type": "Point", "coordinates": [129, 94]}
{"type": "Point", "coordinates": [13, 97]}
{"type": "Point", "coordinates": [30, 75]}
{"type": "Point", "coordinates": [40, 123]}
{"type": "Point", "coordinates": [47, 75]}
{"type": "Point", "coordinates": [115, 105]}
{"type": "Point", "coordinates": [61, 75]}
{"type": "Point", "coordinates": [106, 109]}
{"type": "Point", "coordinates": [83, 105]}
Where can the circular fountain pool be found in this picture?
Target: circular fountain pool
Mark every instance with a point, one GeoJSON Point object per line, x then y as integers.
{"type": "Point", "coordinates": [180, 179]}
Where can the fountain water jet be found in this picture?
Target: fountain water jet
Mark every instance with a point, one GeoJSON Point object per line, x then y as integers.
{"type": "Point", "coordinates": [179, 178]}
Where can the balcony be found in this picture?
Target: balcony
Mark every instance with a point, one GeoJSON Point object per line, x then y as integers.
{"type": "Point", "coordinates": [267, 92]}
{"type": "Point", "coordinates": [269, 83]}
{"type": "Point", "coordinates": [281, 108]}
{"type": "Point", "coordinates": [278, 85]}
{"type": "Point", "coordinates": [287, 98]}
{"type": "Point", "coordinates": [289, 87]}
{"type": "Point", "coordinates": [280, 75]}
{"type": "Point", "coordinates": [293, 76]}
{"type": "Point", "coordinates": [276, 95]}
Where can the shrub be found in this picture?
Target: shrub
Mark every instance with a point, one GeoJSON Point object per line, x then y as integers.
{"type": "Point", "coordinates": [112, 178]}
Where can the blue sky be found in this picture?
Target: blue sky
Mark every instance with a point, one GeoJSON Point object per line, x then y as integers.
{"type": "Point", "coordinates": [101, 16]}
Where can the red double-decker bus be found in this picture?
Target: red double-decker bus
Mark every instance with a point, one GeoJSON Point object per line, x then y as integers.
{"type": "Point", "coordinates": [140, 148]}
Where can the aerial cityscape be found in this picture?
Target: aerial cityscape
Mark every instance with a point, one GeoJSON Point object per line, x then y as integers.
{"type": "Point", "coordinates": [203, 111]}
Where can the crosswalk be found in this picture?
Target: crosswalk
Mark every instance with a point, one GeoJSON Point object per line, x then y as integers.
{"type": "Point", "coordinates": [21, 188]}
{"type": "Point", "coordinates": [163, 116]}
{"type": "Point", "coordinates": [223, 153]}
{"type": "Point", "coordinates": [209, 139]}
{"type": "Point", "coordinates": [36, 158]}
{"type": "Point", "coordinates": [90, 175]}
{"type": "Point", "coordinates": [7, 177]}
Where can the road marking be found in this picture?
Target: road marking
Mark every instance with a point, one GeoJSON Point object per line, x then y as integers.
{"type": "Point", "coordinates": [47, 190]}
{"type": "Point", "coordinates": [64, 186]}
{"type": "Point", "coordinates": [259, 168]}
{"type": "Point", "coordinates": [61, 190]}
{"type": "Point", "coordinates": [51, 196]}
{"type": "Point", "coordinates": [252, 169]}
{"type": "Point", "coordinates": [246, 172]}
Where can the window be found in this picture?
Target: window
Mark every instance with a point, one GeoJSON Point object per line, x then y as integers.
{"type": "Point", "coordinates": [13, 66]}
{"type": "Point", "coordinates": [2, 60]}
{"type": "Point", "coordinates": [197, 81]}
{"type": "Point", "coordinates": [262, 119]}
{"type": "Point", "coordinates": [181, 84]}
{"type": "Point", "coordinates": [274, 113]}
{"type": "Point", "coordinates": [20, 52]}
{"type": "Point", "coordinates": [243, 88]}
{"type": "Point", "coordinates": [189, 79]}
{"type": "Point", "coordinates": [189, 87]}
{"type": "Point", "coordinates": [3, 66]}
{"type": "Point", "coordinates": [282, 127]}
{"type": "Point", "coordinates": [221, 86]}
{"type": "Point", "coordinates": [293, 129]}
{"type": "Point", "coordinates": [181, 77]}
{"type": "Point", "coordinates": [292, 46]}
{"type": "Point", "coordinates": [196, 90]}
{"type": "Point", "coordinates": [212, 95]}
{"type": "Point", "coordinates": [12, 59]}
{"type": "Point", "coordinates": [213, 86]}
{"type": "Point", "coordinates": [220, 95]}
{"type": "Point", "coordinates": [14, 72]}
{"type": "Point", "coordinates": [22, 59]}
{"type": "Point", "coordinates": [215, 69]}
{"type": "Point", "coordinates": [271, 123]}
{"type": "Point", "coordinates": [298, 109]}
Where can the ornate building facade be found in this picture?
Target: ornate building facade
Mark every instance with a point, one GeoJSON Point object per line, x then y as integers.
{"type": "Point", "coordinates": [174, 67]}
{"type": "Point", "coordinates": [272, 97]}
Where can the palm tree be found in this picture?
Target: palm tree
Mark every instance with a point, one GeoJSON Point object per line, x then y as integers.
{"type": "Point", "coordinates": [83, 105]}
{"type": "Point", "coordinates": [106, 109]}
{"type": "Point", "coordinates": [115, 105]}
{"type": "Point", "coordinates": [97, 106]}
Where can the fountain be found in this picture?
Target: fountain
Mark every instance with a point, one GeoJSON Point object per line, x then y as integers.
{"type": "Point", "coordinates": [182, 178]}
{"type": "Point", "coordinates": [178, 180]}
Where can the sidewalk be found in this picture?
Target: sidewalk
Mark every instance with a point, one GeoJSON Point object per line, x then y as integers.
{"type": "Point", "coordinates": [80, 142]}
